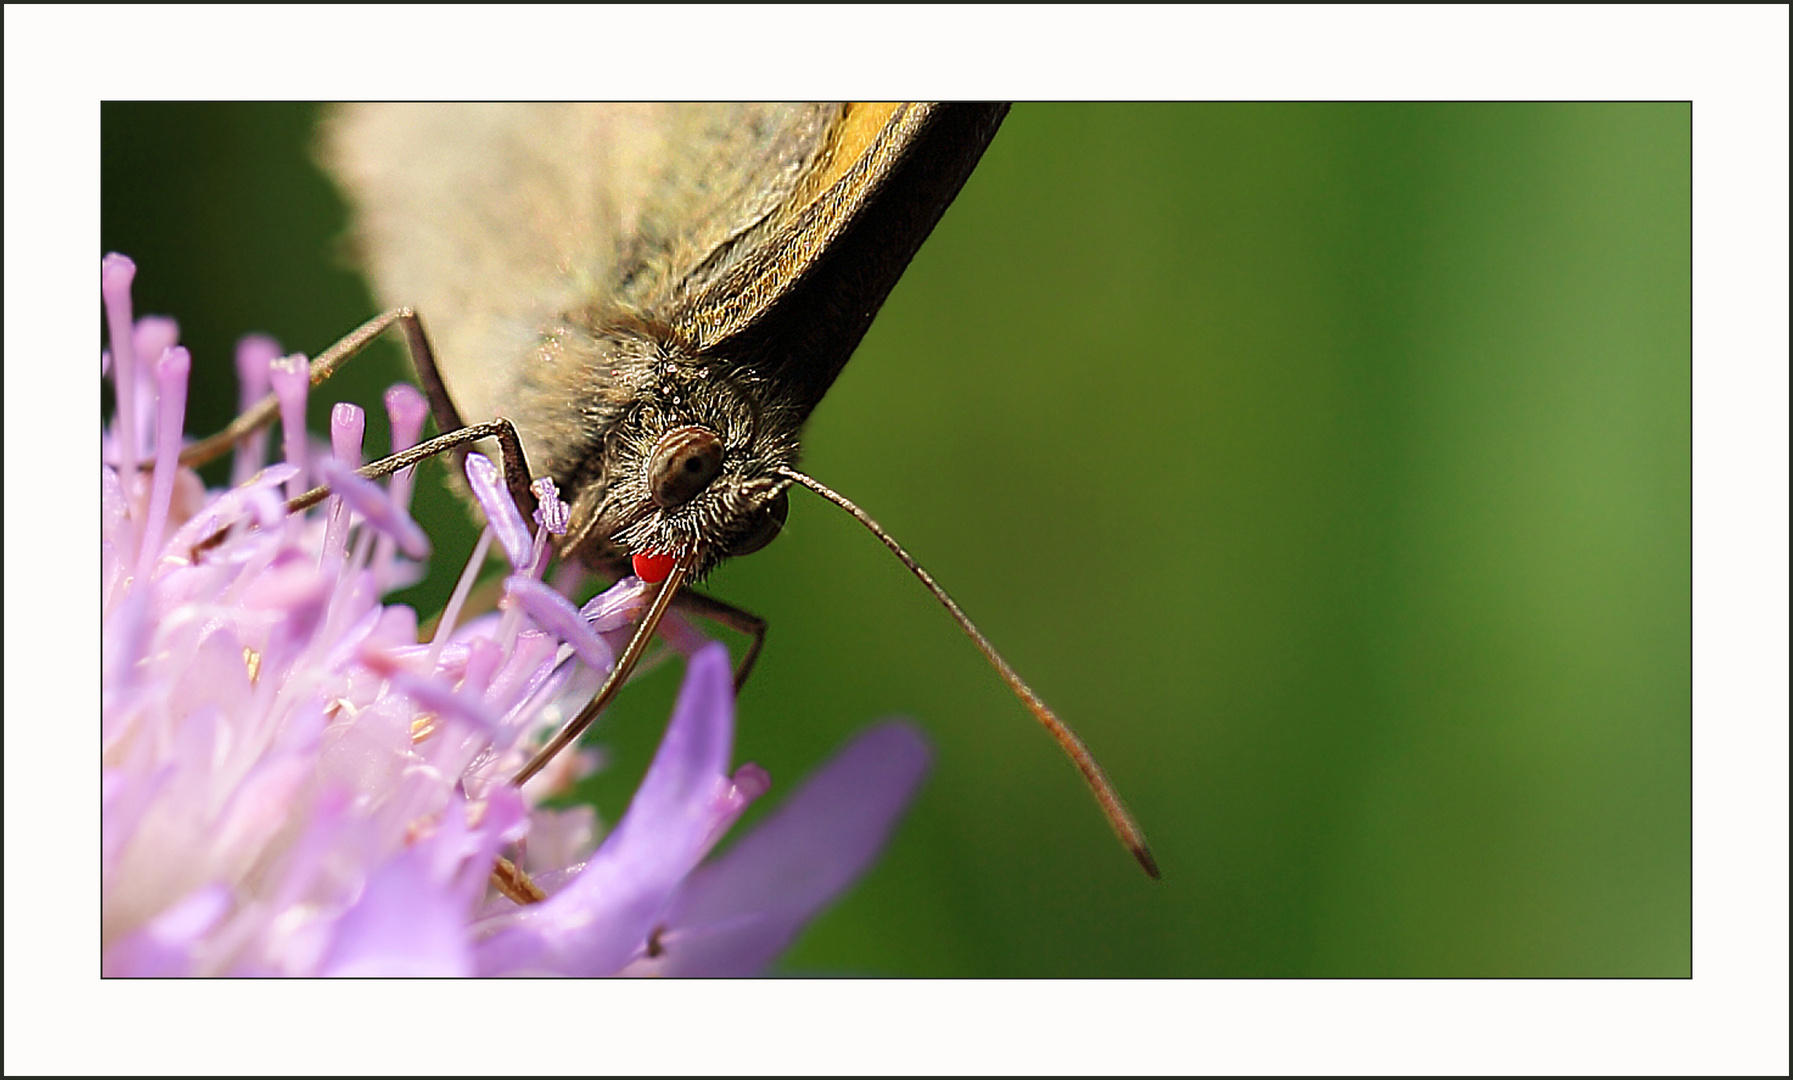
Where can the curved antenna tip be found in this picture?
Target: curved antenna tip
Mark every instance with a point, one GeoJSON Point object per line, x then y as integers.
{"type": "Point", "coordinates": [1125, 828]}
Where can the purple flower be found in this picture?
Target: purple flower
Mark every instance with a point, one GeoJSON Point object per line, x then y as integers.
{"type": "Point", "coordinates": [294, 784]}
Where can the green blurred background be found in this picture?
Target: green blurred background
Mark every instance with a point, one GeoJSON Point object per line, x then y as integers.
{"type": "Point", "coordinates": [1327, 466]}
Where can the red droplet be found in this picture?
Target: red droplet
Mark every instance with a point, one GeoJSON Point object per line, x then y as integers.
{"type": "Point", "coordinates": [653, 569]}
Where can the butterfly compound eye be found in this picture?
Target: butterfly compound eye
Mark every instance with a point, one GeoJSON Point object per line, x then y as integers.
{"type": "Point", "coordinates": [768, 525]}
{"type": "Point", "coordinates": [683, 463]}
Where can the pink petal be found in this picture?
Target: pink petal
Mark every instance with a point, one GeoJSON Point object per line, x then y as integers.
{"type": "Point", "coordinates": [736, 915]}
{"type": "Point", "coordinates": [603, 916]}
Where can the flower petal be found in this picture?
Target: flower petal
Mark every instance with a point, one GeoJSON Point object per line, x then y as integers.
{"type": "Point", "coordinates": [735, 915]}
{"type": "Point", "coordinates": [376, 506]}
{"type": "Point", "coordinates": [556, 614]}
{"type": "Point", "coordinates": [406, 923]}
{"type": "Point", "coordinates": [487, 485]}
{"type": "Point", "coordinates": [604, 915]}
{"type": "Point", "coordinates": [166, 944]}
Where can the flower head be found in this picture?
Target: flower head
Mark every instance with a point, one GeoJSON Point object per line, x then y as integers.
{"type": "Point", "coordinates": [294, 783]}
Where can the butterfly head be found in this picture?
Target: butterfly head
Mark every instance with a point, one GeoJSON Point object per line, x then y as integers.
{"type": "Point", "coordinates": [689, 464]}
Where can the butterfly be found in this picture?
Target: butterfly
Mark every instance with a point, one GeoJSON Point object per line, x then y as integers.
{"type": "Point", "coordinates": [655, 297]}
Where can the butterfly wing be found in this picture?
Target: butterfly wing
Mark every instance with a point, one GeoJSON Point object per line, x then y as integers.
{"type": "Point", "coordinates": [792, 298]}
{"type": "Point", "coordinates": [772, 232]}
{"type": "Point", "coordinates": [496, 220]}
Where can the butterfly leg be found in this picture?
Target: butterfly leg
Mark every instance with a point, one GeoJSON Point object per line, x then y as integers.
{"type": "Point", "coordinates": [516, 470]}
{"type": "Point", "coordinates": [692, 602]}
{"type": "Point", "coordinates": [322, 367]}
{"type": "Point", "coordinates": [510, 449]}
{"type": "Point", "coordinates": [457, 435]}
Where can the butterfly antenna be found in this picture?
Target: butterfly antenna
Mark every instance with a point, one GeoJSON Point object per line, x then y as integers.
{"type": "Point", "coordinates": [1106, 797]}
